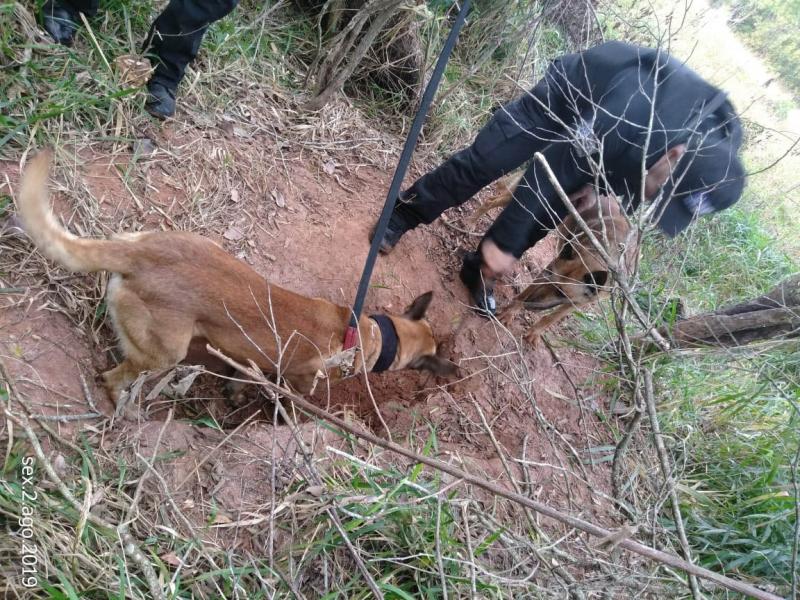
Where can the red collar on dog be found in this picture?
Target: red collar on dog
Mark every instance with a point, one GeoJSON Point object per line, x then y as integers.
{"type": "Point", "coordinates": [388, 343]}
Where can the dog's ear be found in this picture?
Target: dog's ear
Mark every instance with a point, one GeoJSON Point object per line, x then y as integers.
{"type": "Point", "coordinates": [596, 278]}
{"type": "Point", "coordinates": [435, 364]}
{"type": "Point", "coordinates": [418, 307]}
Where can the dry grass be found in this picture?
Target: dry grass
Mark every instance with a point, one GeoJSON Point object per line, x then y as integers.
{"type": "Point", "coordinates": [239, 131]}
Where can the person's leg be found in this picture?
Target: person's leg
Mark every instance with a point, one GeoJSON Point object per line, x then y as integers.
{"type": "Point", "coordinates": [510, 138]}
{"type": "Point", "coordinates": [174, 41]}
{"type": "Point", "coordinates": [60, 17]}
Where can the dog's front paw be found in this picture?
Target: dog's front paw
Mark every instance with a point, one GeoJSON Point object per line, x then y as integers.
{"type": "Point", "coordinates": [508, 315]}
{"type": "Point", "coordinates": [532, 338]}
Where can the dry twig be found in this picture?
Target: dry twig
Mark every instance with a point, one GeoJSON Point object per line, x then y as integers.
{"type": "Point", "coordinates": [666, 472]}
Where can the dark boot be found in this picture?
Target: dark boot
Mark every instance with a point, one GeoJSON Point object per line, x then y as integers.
{"type": "Point", "coordinates": [398, 225]}
{"type": "Point", "coordinates": [160, 100]}
{"type": "Point", "coordinates": [173, 42]}
{"type": "Point", "coordinates": [481, 288]}
{"type": "Point", "coordinates": [60, 21]}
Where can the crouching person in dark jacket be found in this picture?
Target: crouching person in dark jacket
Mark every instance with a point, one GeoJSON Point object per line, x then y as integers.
{"type": "Point", "coordinates": [616, 105]}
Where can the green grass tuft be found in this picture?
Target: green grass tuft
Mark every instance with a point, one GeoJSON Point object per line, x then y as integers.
{"type": "Point", "coordinates": [732, 416]}
{"type": "Point", "coordinates": [725, 259]}
{"type": "Point", "coordinates": [734, 423]}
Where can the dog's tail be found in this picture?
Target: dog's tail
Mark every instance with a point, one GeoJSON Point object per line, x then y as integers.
{"type": "Point", "coordinates": [55, 242]}
{"type": "Point", "coordinates": [502, 198]}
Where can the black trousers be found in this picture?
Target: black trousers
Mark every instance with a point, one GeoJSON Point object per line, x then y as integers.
{"type": "Point", "coordinates": [533, 123]}
{"type": "Point", "coordinates": [176, 34]}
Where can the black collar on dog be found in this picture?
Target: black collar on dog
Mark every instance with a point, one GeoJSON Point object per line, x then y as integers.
{"type": "Point", "coordinates": [388, 343]}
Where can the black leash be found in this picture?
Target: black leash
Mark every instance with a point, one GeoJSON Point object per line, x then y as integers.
{"type": "Point", "coordinates": [351, 335]}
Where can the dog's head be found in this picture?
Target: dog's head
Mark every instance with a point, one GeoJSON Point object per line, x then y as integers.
{"type": "Point", "coordinates": [416, 345]}
{"type": "Point", "coordinates": [576, 276]}
{"type": "Point", "coordinates": [579, 274]}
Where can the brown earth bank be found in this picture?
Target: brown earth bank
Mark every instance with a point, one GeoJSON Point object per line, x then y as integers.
{"type": "Point", "coordinates": [300, 215]}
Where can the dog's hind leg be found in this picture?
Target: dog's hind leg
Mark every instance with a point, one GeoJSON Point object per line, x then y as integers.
{"type": "Point", "coordinates": [162, 345]}
{"type": "Point", "coordinates": [150, 339]}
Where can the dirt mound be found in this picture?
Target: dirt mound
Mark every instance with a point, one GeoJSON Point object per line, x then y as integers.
{"type": "Point", "coordinates": [302, 220]}
{"type": "Point", "coordinates": [222, 480]}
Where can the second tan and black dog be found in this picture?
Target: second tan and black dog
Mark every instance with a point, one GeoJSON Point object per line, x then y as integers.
{"type": "Point", "coordinates": [168, 288]}
{"type": "Point", "coordinates": [578, 275]}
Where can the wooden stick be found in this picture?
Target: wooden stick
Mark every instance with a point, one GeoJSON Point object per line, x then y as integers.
{"type": "Point", "coordinates": [580, 524]}
{"type": "Point", "coordinates": [713, 329]}
{"type": "Point", "coordinates": [665, 470]}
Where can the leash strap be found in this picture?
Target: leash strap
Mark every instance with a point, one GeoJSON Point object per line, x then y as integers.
{"type": "Point", "coordinates": [351, 334]}
{"type": "Point", "coordinates": [388, 343]}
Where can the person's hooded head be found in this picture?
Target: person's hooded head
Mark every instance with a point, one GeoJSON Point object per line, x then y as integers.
{"type": "Point", "coordinates": [709, 176]}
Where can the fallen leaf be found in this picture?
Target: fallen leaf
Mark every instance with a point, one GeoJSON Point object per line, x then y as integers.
{"type": "Point", "coordinates": [60, 465]}
{"type": "Point", "coordinates": [315, 490]}
{"type": "Point", "coordinates": [278, 197]}
{"type": "Point", "coordinates": [11, 225]}
{"type": "Point", "coordinates": [98, 496]}
{"type": "Point", "coordinates": [133, 70]}
{"type": "Point", "coordinates": [183, 384]}
{"type": "Point", "coordinates": [234, 195]}
{"type": "Point", "coordinates": [144, 147]}
{"type": "Point", "coordinates": [159, 387]}
{"type": "Point", "coordinates": [171, 559]}
{"type": "Point", "coordinates": [233, 233]}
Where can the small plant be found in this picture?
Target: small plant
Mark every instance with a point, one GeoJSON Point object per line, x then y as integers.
{"type": "Point", "coordinates": [731, 415]}
{"type": "Point", "coordinates": [5, 203]}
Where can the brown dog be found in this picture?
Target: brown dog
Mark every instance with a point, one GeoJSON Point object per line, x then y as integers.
{"type": "Point", "coordinates": [167, 288]}
{"type": "Point", "coordinates": [578, 275]}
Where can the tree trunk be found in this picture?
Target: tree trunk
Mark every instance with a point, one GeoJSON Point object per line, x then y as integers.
{"type": "Point", "coordinates": [773, 315]}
